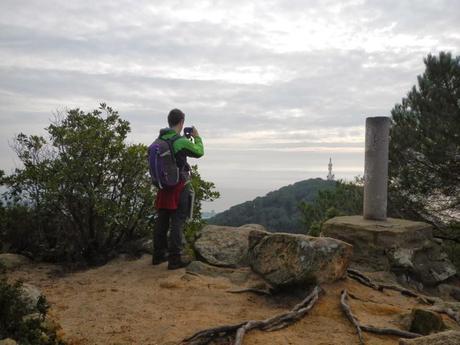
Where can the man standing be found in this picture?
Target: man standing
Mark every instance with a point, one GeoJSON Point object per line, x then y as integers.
{"type": "Point", "coordinates": [174, 203]}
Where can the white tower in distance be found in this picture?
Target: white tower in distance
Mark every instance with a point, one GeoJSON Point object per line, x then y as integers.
{"type": "Point", "coordinates": [330, 176]}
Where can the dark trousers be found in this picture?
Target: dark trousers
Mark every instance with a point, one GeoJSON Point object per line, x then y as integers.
{"type": "Point", "coordinates": [173, 220]}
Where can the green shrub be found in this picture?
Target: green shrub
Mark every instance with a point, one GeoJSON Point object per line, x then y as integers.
{"type": "Point", "coordinates": [22, 321]}
{"type": "Point", "coordinates": [81, 194]}
{"type": "Point", "coordinates": [343, 200]}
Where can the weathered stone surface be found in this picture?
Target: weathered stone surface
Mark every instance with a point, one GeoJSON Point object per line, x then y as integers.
{"type": "Point", "coordinates": [8, 341]}
{"type": "Point", "coordinates": [443, 338]}
{"type": "Point", "coordinates": [293, 259]}
{"type": "Point", "coordinates": [226, 246]}
{"type": "Point", "coordinates": [239, 276]}
{"type": "Point", "coordinates": [12, 261]}
{"type": "Point", "coordinates": [425, 322]}
{"type": "Point", "coordinates": [398, 245]}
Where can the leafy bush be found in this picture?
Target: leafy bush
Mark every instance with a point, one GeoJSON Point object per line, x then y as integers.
{"type": "Point", "coordinates": [22, 321]}
{"type": "Point", "coordinates": [278, 210]}
{"type": "Point", "coordinates": [204, 191]}
{"type": "Point", "coordinates": [345, 199]}
{"type": "Point", "coordinates": [82, 193]}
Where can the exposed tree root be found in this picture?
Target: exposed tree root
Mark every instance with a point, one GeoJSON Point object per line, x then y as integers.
{"type": "Point", "coordinates": [390, 331]}
{"type": "Point", "coordinates": [346, 309]}
{"type": "Point", "coordinates": [361, 278]}
{"type": "Point", "coordinates": [255, 290]}
{"type": "Point", "coordinates": [454, 315]}
{"type": "Point", "coordinates": [271, 324]}
{"type": "Point", "coordinates": [377, 330]}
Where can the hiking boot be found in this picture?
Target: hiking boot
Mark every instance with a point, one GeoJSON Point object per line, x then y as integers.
{"type": "Point", "coordinates": [159, 259]}
{"type": "Point", "coordinates": [175, 262]}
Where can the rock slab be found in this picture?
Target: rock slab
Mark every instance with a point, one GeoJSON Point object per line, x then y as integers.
{"type": "Point", "coordinates": [285, 260]}
{"type": "Point", "coordinates": [443, 338]}
{"type": "Point", "coordinates": [397, 245]}
{"type": "Point", "coordinates": [226, 246]}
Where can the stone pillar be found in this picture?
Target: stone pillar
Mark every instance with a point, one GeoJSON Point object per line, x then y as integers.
{"type": "Point", "coordinates": [376, 168]}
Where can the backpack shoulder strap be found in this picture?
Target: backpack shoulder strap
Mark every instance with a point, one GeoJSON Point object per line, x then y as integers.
{"type": "Point", "coordinates": [170, 142]}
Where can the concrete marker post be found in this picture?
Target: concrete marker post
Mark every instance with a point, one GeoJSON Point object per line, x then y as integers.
{"type": "Point", "coordinates": [376, 168]}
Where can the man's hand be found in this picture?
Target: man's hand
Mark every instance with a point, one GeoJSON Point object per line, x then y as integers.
{"type": "Point", "coordinates": [195, 132]}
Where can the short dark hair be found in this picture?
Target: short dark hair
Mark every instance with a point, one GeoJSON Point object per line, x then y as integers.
{"type": "Point", "coordinates": [175, 116]}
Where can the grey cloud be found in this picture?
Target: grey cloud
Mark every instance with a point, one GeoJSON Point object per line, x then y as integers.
{"type": "Point", "coordinates": [144, 58]}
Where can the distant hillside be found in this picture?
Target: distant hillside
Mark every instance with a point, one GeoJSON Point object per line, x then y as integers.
{"type": "Point", "coordinates": [278, 210]}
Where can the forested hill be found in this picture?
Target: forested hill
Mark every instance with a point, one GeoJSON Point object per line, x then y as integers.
{"type": "Point", "coordinates": [278, 210]}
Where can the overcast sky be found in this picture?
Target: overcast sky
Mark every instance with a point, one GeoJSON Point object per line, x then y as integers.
{"type": "Point", "coordinates": [274, 87]}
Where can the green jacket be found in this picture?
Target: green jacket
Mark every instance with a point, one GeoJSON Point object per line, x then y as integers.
{"type": "Point", "coordinates": [183, 148]}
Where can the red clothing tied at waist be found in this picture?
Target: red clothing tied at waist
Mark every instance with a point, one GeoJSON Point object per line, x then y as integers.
{"type": "Point", "coordinates": [169, 198]}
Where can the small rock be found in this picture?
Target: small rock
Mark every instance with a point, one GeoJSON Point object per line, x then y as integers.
{"type": "Point", "coordinates": [13, 261]}
{"type": "Point", "coordinates": [8, 341]}
{"type": "Point", "coordinates": [438, 240]}
{"type": "Point", "coordinates": [443, 338]}
{"type": "Point", "coordinates": [31, 292]}
{"type": "Point", "coordinates": [295, 260]}
{"type": "Point", "coordinates": [425, 322]}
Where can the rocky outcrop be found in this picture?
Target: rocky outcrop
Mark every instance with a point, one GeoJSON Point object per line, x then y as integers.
{"type": "Point", "coordinates": [291, 259]}
{"type": "Point", "coordinates": [12, 261]}
{"type": "Point", "coordinates": [226, 246]}
{"type": "Point", "coordinates": [443, 338]}
{"type": "Point", "coordinates": [397, 245]}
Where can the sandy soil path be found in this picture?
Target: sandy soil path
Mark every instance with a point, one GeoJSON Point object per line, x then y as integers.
{"type": "Point", "coordinates": [133, 302]}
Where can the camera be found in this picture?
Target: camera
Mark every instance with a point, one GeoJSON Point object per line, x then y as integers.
{"type": "Point", "coordinates": [188, 132]}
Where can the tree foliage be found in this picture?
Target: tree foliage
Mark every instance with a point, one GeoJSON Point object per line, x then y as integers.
{"type": "Point", "coordinates": [85, 191]}
{"type": "Point", "coordinates": [278, 210]}
{"type": "Point", "coordinates": [425, 144]}
{"type": "Point", "coordinates": [204, 191]}
{"type": "Point", "coordinates": [345, 199]}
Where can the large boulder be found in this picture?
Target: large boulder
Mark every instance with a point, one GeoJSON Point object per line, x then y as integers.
{"type": "Point", "coordinates": [226, 246]}
{"type": "Point", "coordinates": [286, 260]}
{"type": "Point", "coordinates": [12, 261]}
{"type": "Point", "coordinates": [401, 246]}
{"type": "Point", "coordinates": [443, 338]}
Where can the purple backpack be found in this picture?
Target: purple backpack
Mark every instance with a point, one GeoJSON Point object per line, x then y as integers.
{"type": "Point", "coordinates": [162, 163]}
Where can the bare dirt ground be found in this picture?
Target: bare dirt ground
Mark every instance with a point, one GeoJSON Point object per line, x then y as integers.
{"type": "Point", "coordinates": [133, 302]}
